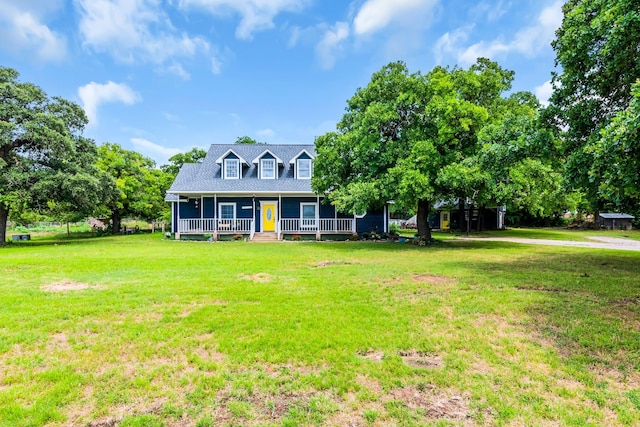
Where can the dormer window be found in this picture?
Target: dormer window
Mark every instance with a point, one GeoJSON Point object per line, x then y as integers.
{"type": "Point", "coordinates": [268, 168]}
{"type": "Point", "coordinates": [267, 164]}
{"type": "Point", "coordinates": [231, 169]}
{"type": "Point", "coordinates": [303, 168]}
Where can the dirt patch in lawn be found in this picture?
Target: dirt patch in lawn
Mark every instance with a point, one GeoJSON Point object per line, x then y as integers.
{"type": "Point", "coordinates": [425, 279]}
{"type": "Point", "coordinates": [420, 359]}
{"type": "Point", "coordinates": [436, 403]}
{"type": "Point", "coordinates": [258, 277]}
{"type": "Point", "coordinates": [370, 384]}
{"type": "Point", "coordinates": [432, 280]}
{"type": "Point", "coordinates": [260, 407]}
{"type": "Point", "coordinates": [67, 286]}
{"type": "Point", "coordinates": [374, 355]}
{"type": "Point", "coordinates": [120, 412]}
{"type": "Point", "coordinates": [58, 342]}
{"type": "Point", "coordinates": [324, 264]}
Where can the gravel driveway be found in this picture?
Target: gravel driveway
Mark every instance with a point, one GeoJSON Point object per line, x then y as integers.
{"type": "Point", "coordinates": [596, 243]}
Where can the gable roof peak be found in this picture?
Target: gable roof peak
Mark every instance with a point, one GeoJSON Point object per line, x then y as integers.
{"type": "Point", "coordinates": [303, 151]}
{"type": "Point", "coordinates": [226, 154]}
{"type": "Point", "coordinates": [267, 151]}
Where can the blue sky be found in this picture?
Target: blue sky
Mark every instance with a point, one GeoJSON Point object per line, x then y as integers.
{"type": "Point", "coordinates": [163, 76]}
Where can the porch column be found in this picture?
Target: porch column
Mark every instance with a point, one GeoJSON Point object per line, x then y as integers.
{"type": "Point", "coordinates": [202, 213]}
{"type": "Point", "coordinates": [353, 224]}
{"type": "Point", "coordinates": [215, 217]}
{"type": "Point", "coordinates": [318, 234]}
{"type": "Point", "coordinates": [386, 218]}
{"type": "Point", "coordinates": [253, 216]}
{"type": "Point", "coordinates": [279, 215]}
{"type": "Point", "coordinates": [178, 219]}
{"type": "Point", "coordinates": [335, 220]}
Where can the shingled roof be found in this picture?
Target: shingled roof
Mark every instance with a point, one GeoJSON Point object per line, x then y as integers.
{"type": "Point", "coordinates": [206, 177]}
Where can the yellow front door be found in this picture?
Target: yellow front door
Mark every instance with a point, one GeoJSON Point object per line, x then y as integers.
{"type": "Point", "coordinates": [269, 217]}
{"type": "Point", "coordinates": [444, 220]}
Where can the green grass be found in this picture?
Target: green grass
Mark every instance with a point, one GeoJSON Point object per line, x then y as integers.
{"type": "Point", "coordinates": [545, 233]}
{"type": "Point", "coordinates": [236, 333]}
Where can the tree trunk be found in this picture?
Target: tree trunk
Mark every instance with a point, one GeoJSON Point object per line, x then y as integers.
{"type": "Point", "coordinates": [480, 224]}
{"type": "Point", "coordinates": [116, 221]}
{"type": "Point", "coordinates": [4, 216]}
{"type": "Point", "coordinates": [424, 230]}
{"type": "Point", "coordinates": [469, 217]}
{"type": "Point", "coordinates": [461, 221]}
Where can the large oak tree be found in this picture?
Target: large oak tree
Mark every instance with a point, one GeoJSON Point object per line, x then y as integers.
{"type": "Point", "coordinates": [43, 156]}
{"type": "Point", "coordinates": [401, 131]}
{"type": "Point", "coordinates": [139, 187]}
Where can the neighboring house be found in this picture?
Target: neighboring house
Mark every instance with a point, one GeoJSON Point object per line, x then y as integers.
{"type": "Point", "coordinates": [616, 221]}
{"type": "Point", "coordinates": [446, 216]}
{"type": "Point", "coordinates": [244, 189]}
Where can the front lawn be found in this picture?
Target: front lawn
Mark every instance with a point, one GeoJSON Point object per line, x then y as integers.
{"type": "Point", "coordinates": [140, 331]}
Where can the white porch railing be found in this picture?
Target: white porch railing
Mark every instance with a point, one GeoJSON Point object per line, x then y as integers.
{"type": "Point", "coordinates": [209, 225]}
{"type": "Point", "coordinates": [297, 225]}
{"type": "Point", "coordinates": [342, 225]}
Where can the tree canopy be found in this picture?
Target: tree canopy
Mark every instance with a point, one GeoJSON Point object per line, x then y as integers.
{"type": "Point", "coordinates": [246, 140]}
{"type": "Point", "coordinates": [616, 157]}
{"type": "Point", "coordinates": [597, 50]}
{"type": "Point", "coordinates": [139, 186]}
{"type": "Point", "coordinates": [195, 155]}
{"type": "Point", "coordinates": [44, 159]}
{"type": "Point", "coordinates": [401, 132]}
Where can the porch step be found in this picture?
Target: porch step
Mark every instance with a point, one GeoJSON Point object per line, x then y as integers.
{"type": "Point", "coordinates": [265, 237]}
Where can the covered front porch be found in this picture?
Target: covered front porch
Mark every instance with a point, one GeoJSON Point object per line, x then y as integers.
{"type": "Point", "coordinates": [284, 226]}
{"type": "Point", "coordinates": [221, 215]}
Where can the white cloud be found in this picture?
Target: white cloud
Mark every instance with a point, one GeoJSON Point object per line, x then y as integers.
{"type": "Point", "coordinates": [544, 92]}
{"type": "Point", "coordinates": [490, 11]}
{"type": "Point", "coordinates": [528, 41]}
{"type": "Point", "coordinates": [296, 32]}
{"type": "Point", "coordinates": [170, 117]}
{"type": "Point", "coordinates": [21, 29]}
{"type": "Point", "coordinates": [449, 41]}
{"type": "Point", "coordinates": [154, 151]}
{"type": "Point", "coordinates": [93, 94]}
{"type": "Point", "coordinates": [376, 15]}
{"type": "Point", "coordinates": [256, 15]}
{"type": "Point", "coordinates": [177, 69]}
{"type": "Point", "coordinates": [331, 44]}
{"type": "Point", "coordinates": [266, 133]}
{"type": "Point", "coordinates": [219, 57]}
{"type": "Point", "coordinates": [133, 30]}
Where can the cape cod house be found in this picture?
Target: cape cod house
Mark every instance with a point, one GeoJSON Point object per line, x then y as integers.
{"type": "Point", "coordinates": [259, 190]}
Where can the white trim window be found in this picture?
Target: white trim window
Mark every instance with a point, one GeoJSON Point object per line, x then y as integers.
{"type": "Point", "coordinates": [303, 169]}
{"type": "Point", "coordinates": [308, 215]}
{"type": "Point", "coordinates": [227, 210]}
{"type": "Point", "coordinates": [231, 168]}
{"type": "Point", "coordinates": [267, 168]}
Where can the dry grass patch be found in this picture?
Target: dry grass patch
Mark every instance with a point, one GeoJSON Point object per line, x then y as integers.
{"type": "Point", "coordinates": [431, 280]}
{"type": "Point", "coordinates": [437, 405]}
{"type": "Point", "coordinates": [58, 341]}
{"type": "Point", "coordinates": [374, 355]}
{"type": "Point", "coordinates": [420, 359]}
{"type": "Point", "coordinates": [258, 277]}
{"type": "Point", "coordinates": [326, 263]}
{"type": "Point", "coordinates": [122, 411]}
{"type": "Point", "coordinates": [370, 384]}
{"type": "Point", "coordinates": [67, 286]}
